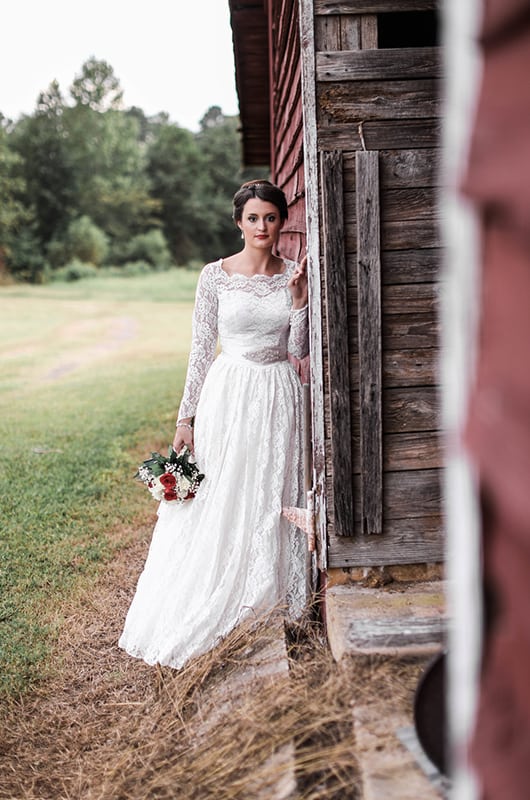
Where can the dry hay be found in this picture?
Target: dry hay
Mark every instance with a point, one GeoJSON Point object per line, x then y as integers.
{"type": "Point", "coordinates": [107, 726]}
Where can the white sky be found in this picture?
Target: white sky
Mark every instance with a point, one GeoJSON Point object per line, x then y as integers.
{"type": "Point", "coordinates": [169, 55]}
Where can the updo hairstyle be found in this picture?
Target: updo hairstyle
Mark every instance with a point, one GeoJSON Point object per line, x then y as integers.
{"type": "Point", "coordinates": [263, 190]}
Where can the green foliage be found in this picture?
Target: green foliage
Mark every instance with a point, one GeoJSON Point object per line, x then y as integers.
{"type": "Point", "coordinates": [13, 213]}
{"type": "Point", "coordinates": [97, 86]}
{"type": "Point", "coordinates": [41, 142]}
{"type": "Point", "coordinates": [130, 174]}
{"type": "Point", "coordinates": [74, 271]}
{"type": "Point", "coordinates": [151, 247]}
{"type": "Point", "coordinates": [83, 241]}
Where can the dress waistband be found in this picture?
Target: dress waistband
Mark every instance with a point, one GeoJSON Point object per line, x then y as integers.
{"type": "Point", "coordinates": [259, 358]}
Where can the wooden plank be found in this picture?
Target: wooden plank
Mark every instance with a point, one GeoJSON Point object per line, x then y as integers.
{"type": "Point", "coordinates": [350, 31]}
{"type": "Point", "coordinates": [403, 266]}
{"type": "Point", "coordinates": [410, 494]}
{"type": "Point", "coordinates": [368, 32]}
{"type": "Point", "coordinates": [411, 541]}
{"type": "Point", "coordinates": [388, 64]}
{"type": "Point", "coordinates": [307, 38]}
{"type": "Point", "coordinates": [337, 316]}
{"type": "Point", "coordinates": [355, 101]}
{"type": "Point", "coordinates": [369, 328]}
{"type": "Point", "coordinates": [418, 299]}
{"type": "Point", "coordinates": [411, 331]}
{"type": "Point", "coordinates": [380, 134]}
{"type": "Point", "coordinates": [404, 169]}
{"type": "Point", "coordinates": [404, 368]}
{"type": "Point", "coordinates": [327, 33]}
{"type": "Point", "coordinates": [404, 332]}
{"type": "Point", "coordinates": [408, 451]}
{"type": "Point", "coordinates": [401, 204]}
{"type": "Point", "coordinates": [372, 6]}
{"type": "Point", "coordinates": [401, 235]}
{"type": "Point", "coordinates": [405, 410]}
{"type": "Point", "coordinates": [410, 368]}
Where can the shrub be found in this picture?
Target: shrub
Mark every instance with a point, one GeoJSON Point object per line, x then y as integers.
{"type": "Point", "coordinates": [25, 258]}
{"type": "Point", "coordinates": [151, 247]}
{"type": "Point", "coordinates": [74, 271]}
{"type": "Point", "coordinates": [132, 268]}
{"type": "Point", "coordinates": [83, 241]}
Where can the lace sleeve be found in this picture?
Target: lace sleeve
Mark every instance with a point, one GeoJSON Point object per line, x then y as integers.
{"type": "Point", "coordinates": [203, 341]}
{"type": "Point", "coordinates": [298, 345]}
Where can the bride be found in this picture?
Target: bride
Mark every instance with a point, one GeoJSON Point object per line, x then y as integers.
{"type": "Point", "coordinates": [229, 552]}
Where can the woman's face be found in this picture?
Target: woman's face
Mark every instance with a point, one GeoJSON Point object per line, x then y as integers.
{"type": "Point", "coordinates": [260, 223]}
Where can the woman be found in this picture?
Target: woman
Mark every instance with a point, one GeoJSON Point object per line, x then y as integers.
{"type": "Point", "coordinates": [229, 552]}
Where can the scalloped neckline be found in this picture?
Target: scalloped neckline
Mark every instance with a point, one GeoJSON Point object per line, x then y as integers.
{"type": "Point", "coordinates": [257, 275]}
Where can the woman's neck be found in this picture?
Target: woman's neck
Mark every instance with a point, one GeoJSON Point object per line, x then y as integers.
{"type": "Point", "coordinates": [254, 262]}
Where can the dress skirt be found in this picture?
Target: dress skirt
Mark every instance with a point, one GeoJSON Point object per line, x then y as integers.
{"type": "Point", "coordinates": [229, 552]}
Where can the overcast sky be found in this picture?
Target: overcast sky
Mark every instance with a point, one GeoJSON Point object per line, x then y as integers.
{"type": "Point", "coordinates": [169, 55]}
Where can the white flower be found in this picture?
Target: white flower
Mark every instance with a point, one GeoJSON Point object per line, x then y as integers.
{"type": "Point", "coordinates": [184, 485]}
{"type": "Point", "coordinates": [156, 489]}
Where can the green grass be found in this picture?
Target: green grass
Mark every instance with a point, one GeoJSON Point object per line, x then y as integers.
{"type": "Point", "coordinates": [77, 406]}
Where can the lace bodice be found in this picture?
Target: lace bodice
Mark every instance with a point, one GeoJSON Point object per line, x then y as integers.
{"type": "Point", "coordinates": [253, 319]}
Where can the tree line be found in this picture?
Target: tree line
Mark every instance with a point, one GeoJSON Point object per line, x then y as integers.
{"type": "Point", "coordinates": [86, 184]}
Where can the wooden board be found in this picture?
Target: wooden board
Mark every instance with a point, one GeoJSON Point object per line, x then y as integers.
{"type": "Point", "coordinates": [373, 7]}
{"type": "Point", "coordinates": [337, 317]}
{"type": "Point", "coordinates": [369, 334]}
{"type": "Point", "coordinates": [382, 134]}
{"type": "Point", "coordinates": [353, 101]}
{"type": "Point", "coordinates": [400, 168]}
{"type": "Point", "coordinates": [419, 540]}
{"type": "Point", "coordinates": [387, 64]}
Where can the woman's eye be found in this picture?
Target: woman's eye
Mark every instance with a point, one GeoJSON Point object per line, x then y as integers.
{"type": "Point", "coordinates": [252, 219]}
{"type": "Point", "coordinates": [271, 218]}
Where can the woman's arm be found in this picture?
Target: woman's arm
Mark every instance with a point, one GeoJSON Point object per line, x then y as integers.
{"type": "Point", "coordinates": [202, 354]}
{"type": "Point", "coordinates": [298, 344]}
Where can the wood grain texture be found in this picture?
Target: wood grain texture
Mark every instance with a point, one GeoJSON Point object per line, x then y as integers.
{"type": "Point", "coordinates": [307, 42]}
{"type": "Point", "coordinates": [403, 266]}
{"type": "Point", "coordinates": [353, 101]}
{"type": "Point", "coordinates": [373, 7]}
{"type": "Point", "coordinates": [370, 340]}
{"type": "Point", "coordinates": [387, 64]}
{"type": "Point", "coordinates": [405, 410]}
{"type": "Point", "coordinates": [337, 338]}
{"type": "Point", "coordinates": [418, 540]}
{"type": "Point", "coordinates": [384, 134]}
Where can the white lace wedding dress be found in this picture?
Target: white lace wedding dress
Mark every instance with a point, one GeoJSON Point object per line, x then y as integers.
{"type": "Point", "coordinates": [229, 552]}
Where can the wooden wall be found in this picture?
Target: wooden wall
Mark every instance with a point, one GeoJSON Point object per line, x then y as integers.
{"type": "Point", "coordinates": [377, 136]}
{"type": "Point", "coordinates": [287, 152]}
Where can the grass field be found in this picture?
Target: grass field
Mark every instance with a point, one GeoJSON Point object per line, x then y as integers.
{"type": "Point", "coordinates": [90, 379]}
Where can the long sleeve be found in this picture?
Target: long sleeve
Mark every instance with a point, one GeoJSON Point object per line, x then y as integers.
{"type": "Point", "coordinates": [203, 341]}
{"type": "Point", "coordinates": [298, 344]}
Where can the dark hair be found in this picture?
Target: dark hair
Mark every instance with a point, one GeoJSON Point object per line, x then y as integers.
{"type": "Point", "coordinates": [263, 190]}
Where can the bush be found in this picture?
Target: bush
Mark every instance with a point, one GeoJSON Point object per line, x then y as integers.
{"type": "Point", "coordinates": [74, 271]}
{"type": "Point", "coordinates": [150, 247]}
{"type": "Point", "coordinates": [83, 241]}
{"type": "Point", "coordinates": [25, 259]}
{"type": "Point", "coordinates": [132, 268]}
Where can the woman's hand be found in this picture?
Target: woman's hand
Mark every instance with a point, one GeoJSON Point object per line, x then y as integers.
{"type": "Point", "coordinates": [183, 437]}
{"type": "Point", "coordinates": [297, 284]}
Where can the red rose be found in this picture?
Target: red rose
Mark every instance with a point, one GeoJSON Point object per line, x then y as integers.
{"type": "Point", "coordinates": [170, 494]}
{"type": "Point", "coordinates": [168, 480]}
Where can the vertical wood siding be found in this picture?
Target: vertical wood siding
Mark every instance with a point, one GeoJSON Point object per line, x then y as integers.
{"type": "Point", "coordinates": [385, 102]}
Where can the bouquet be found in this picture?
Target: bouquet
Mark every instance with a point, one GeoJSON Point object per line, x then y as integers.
{"type": "Point", "coordinates": [171, 478]}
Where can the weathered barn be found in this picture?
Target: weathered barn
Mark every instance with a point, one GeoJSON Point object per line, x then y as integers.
{"type": "Point", "coordinates": [341, 100]}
